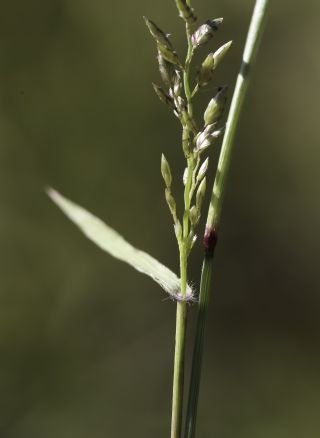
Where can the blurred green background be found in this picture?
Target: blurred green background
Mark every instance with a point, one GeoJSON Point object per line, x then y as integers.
{"type": "Point", "coordinates": [86, 343]}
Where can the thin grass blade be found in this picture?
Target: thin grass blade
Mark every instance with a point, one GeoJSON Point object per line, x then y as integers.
{"type": "Point", "coordinates": [114, 244]}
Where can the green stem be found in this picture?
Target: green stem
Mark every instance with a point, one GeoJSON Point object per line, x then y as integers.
{"type": "Point", "coordinates": [178, 374]}
{"type": "Point", "coordinates": [213, 220]}
{"type": "Point", "coordinates": [181, 316]}
{"type": "Point", "coordinates": [198, 349]}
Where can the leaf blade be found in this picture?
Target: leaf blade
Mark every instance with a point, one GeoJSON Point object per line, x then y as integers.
{"type": "Point", "coordinates": [114, 244]}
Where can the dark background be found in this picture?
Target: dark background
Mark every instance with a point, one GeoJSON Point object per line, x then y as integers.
{"type": "Point", "coordinates": [86, 343]}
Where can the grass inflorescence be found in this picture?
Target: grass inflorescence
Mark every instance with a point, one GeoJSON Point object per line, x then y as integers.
{"type": "Point", "coordinates": [178, 93]}
{"type": "Point", "coordinates": [199, 134]}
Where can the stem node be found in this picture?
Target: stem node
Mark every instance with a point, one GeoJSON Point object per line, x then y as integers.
{"type": "Point", "coordinates": [210, 241]}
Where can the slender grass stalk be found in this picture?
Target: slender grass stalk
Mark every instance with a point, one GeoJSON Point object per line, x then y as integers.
{"type": "Point", "coordinates": [213, 220]}
{"type": "Point", "coordinates": [181, 315]}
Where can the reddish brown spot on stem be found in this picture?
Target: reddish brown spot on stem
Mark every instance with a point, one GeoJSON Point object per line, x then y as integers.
{"type": "Point", "coordinates": [210, 241]}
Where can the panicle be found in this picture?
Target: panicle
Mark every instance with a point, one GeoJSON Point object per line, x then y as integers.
{"type": "Point", "coordinates": [176, 94]}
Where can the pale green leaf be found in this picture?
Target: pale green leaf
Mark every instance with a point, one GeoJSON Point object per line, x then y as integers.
{"type": "Point", "coordinates": [113, 243]}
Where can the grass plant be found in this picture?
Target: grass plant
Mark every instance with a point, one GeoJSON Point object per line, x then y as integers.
{"type": "Point", "coordinates": [199, 135]}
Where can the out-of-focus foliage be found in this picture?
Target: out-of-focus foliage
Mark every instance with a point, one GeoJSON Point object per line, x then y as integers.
{"type": "Point", "coordinates": [88, 355]}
